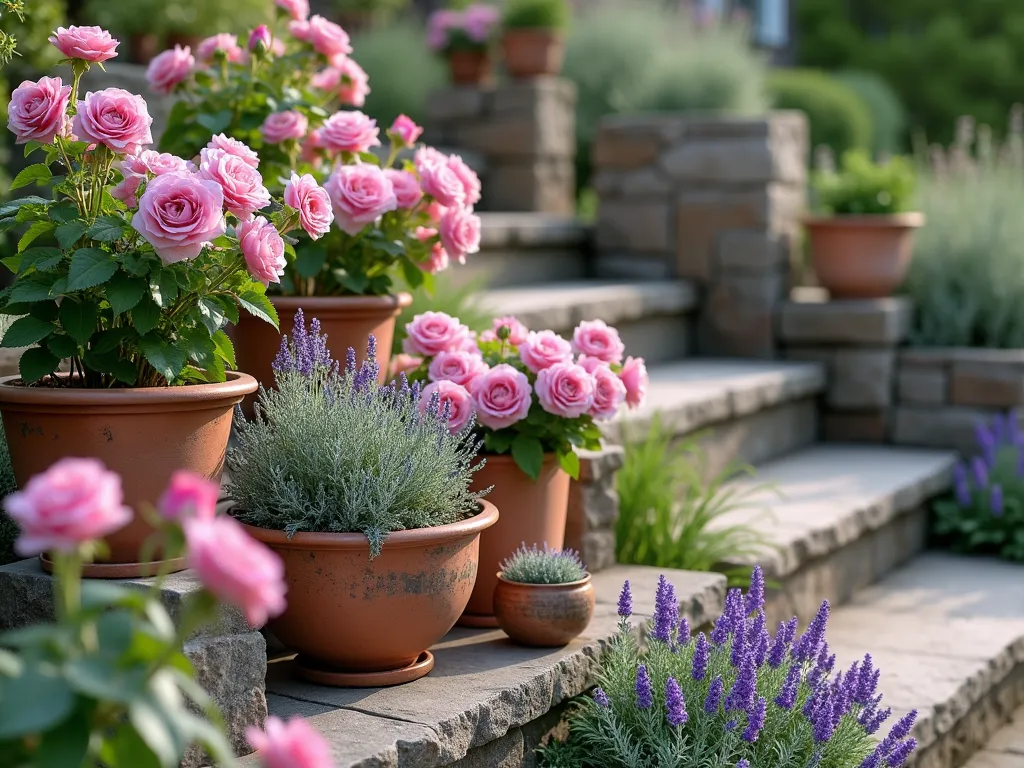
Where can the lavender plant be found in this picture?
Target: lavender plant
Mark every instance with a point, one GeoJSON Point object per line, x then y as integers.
{"type": "Point", "coordinates": [330, 450]}
{"type": "Point", "coordinates": [986, 512]}
{"type": "Point", "coordinates": [741, 697]}
{"type": "Point", "coordinates": [543, 566]}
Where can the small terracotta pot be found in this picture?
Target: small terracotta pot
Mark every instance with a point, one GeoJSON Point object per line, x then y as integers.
{"type": "Point", "coordinates": [543, 615]}
{"type": "Point", "coordinates": [533, 52]}
{"type": "Point", "coordinates": [470, 67]}
{"type": "Point", "coordinates": [143, 434]}
{"type": "Point", "coordinates": [144, 47]}
{"type": "Point", "coordinates": [862, 257]}
{"type": "Point", "coordinates": [532, 513]}
{"type": "Point", "coordinates": [363, 619]}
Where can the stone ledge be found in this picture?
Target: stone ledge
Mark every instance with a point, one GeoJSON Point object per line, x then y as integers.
{"type": "Point", "coordinates": [532, 230]}
{"type": "Point", "coordinates": [924, 356]}
{"type": "Point", "coordinates": [872, 321]}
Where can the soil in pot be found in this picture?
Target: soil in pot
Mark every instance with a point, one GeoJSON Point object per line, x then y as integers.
{"type": "Point", "coordinates": [543, 615]}
{"type": "Point", "coordinates": [358, 622]}
{"type": "Point", "coordinates": [144, 435]}
{"type": "Point", "coordinates": [533, 52]}
{"type": "Point", "coordinates": [532, 513]}
{"type": "Point", "coordinates": [470, 67]}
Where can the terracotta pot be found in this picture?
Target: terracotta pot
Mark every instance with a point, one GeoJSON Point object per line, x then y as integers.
{"type": "Point", "coordinates": [532, 513]}
{"type": "Point", "coordinates": [142, 434]}
{"type": "Point", "coordinates": [469, 67]}
{"type": "Point", "coordinates": [543, 615]}
{"type": "Point", "coordinates": [144, 47]}
{"type": "Point", "coordinates": [533, 52]}
{"type": "Point", "coordinates": [356, 621]}
{"type": "Point", "coordinates": [862, 257]}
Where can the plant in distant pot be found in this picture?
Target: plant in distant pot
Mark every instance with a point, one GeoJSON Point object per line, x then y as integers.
{"type": "Point", "coordinates": [534, 37]}
{"type": "Point", "coordinates": [464, 38]}
{"type": "Point", "coordinates": [861, 243]}
{"type": "Point", "coordinates": [543, 596]}
{"type": "Point", "coordinates": [365, 493]}
{"type": "Point", "coordinates": [536, 398]}
{"type": "Point", "coordinates": [125, 280]}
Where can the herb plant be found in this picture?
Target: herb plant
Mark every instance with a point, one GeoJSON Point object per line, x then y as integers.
{"type": "Point", "coordinates": [741, 697]}
{"type": "Point", "coordinates": [536, 14]}
{"type": "Point", "coordinates": [543, 566]}
{"type": "Point", "coordinates": [862, 186]}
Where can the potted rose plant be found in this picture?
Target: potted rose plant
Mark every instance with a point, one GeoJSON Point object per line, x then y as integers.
{"type": "Point", "coordinates": [533, 40]}
{"type": "Point", "coordinates": [125, 280]}
{"type": "Point", "coordinates": [464, 38]}
{"type": "Point", "coordinates": [365, 493]}
{"type": "Point", "coordinates": [535, 397]}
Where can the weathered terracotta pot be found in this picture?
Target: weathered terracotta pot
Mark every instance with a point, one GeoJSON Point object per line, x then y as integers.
{"type": "Point", "coordinates": [469, 67]}
{"type": "Point", "coordinates": [532, 513]}
{"type": "Point", "coordinates": [361, 622]}
{"type": "Point", "coordinates": [533, 52]}
{"type": "Point", "coordinates": [862, 257]}
{"type": "Point", "coordinates": [142, 434]}
{"type": "Point", "coordinates": [543, 615]}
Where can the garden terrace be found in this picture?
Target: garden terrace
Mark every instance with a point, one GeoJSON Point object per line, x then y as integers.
{"type": "Point", "coordinates": [1006, 748]}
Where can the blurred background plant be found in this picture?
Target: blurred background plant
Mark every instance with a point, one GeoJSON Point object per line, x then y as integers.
{"type": "Point", "coordinates": [357, 15]}
{"type": "Point", "coordinates": [863, 187]}
{"type": "Point", "coordinates": [535, 14]}
{"type": "Point", "coordinates": [10, 10]}
{"type": "Point", "coordinates": [838, 117]}
{"type": "Point", "coordinates": [888, 115]}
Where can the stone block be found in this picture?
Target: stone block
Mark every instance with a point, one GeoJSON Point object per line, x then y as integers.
{"type": "Point", "coordinates": [938, 427]}
{"type": "Point", "coordinates": [859, 322]}
{"type": "Point", "coordinates": [950, 355]}
{"type": "Point", "coordinates": [533, 97]}
{"type": "Point", "coordinates": [918, 385]}
{"type": "Point", "coordinates": [594, 508]}
{"type": "Point", "coordinates": [633, 141]}
{"type": "Point", "coordinates": [449, 105]}
{"type": "Point", "coordinates": [543, 185]}
{"type": "Point", "coordinates": [642, 182]}
{"type": "Point", "coordinates": [987, 385]}
{"type": "Point", "coordinates": [742, 249]}
{"type": "Point", "coordinates": [737, 319]}
{"type": "Point", "coordinates": [861, 378]}
{"type": "Point", "coordinates": [856, 427]}
{"type": "Point", "coordinates": [635, 226]}
{"type": "Point", "coordinates": [544, 136]}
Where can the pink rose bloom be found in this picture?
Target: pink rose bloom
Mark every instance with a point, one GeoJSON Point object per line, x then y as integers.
{"type": "Point", "coordinates": [595, 338]}
{"type": "Point", "coordinates": [590, 364]}
{"type": "Point", "coordinates": [328, 38]}
{"type": "Point", "coordinates": [432, 333]}
{"type": "Point", "coordinates": [74, 501]}
{"type": "Point", "coordinates": [565, 390]}
{"type": "Point", "coordinates": [403, 363]}
{"type": "Point", "coordinates": [136, 168]}
{"type": "Point", "coordinates": [428, 157]}
{"type": "Point", "coordinates": [517, 331]}
{"type": "Point", "coordinates": [327, 79]}
{"type": "Point", "coordinates": [634, 377]}
{"type": "Point", "coordinates": [405, 131]}
{"type": "Point", "coordinates": [189, 495]}
{"type": "Point", "coordinates": [609, 392]}
{"type": "Point", "coordinates": [312, 202]}
{"type": "Point", "coordinates": [300, 30]}
{"type": "Point", "coordinates": [470, 181]}
{"type": "Point", "coordinates": [179, 214]}
{"type": "Point", "coordinates": [125, 191]}
{"type": "Point", "coordinates": [244, 193]}
{"type": "Point", "coordinates": [479, 20]}
{"type": "Point", "coordinates": [236, 568]}
{"type": "Point", "coordinates": [456, 397]}
{"type": "Point", "coordinates": [354, 83]}
{"type": "Point", "coordinates": [277, 47]}
{"type": "Point", "coordinates": [263, 249]}
{"type": "Point", "coordinates": [236, 148]}
{"type": "Point", "coordinates": [224, 42]}
{"type": "Point", "coordinates": [407, 188]}
{"type": "Point", "coordinates": [542, 349]}
{"type": "Point", "coordinates": [459, 366]}
{"type": "Point", "coordinates": [460, 233]}
{"type": "Point", "coordinates": [115, 118]}
{"type": "Point", "coordinates": [282, 126]}
{"type": "Point", "coordinates": [349, 132]}
{"type": "Point", "coordinates": [297, 9]}
{"type": "Point", "coordinates": [502, 396]}
{"type": "Point", "coordinates": [86, 43]}
{"type": "Point", "coordinates": [437, 261]}
{"type": "Point", "coordinates": [169, 68]}
{"type": "Point", "coordinates": [310, 152]}
{"type": "Point", "coordinates": [443, 184]}
{"type": "Point", "coordinates": [38, 111]}
{"type": "Point", "coordinates": [260, 37]}
{"type": "Point", "coordinates": [294, 744]}
{"type": "Point", "coordinates": [360, 194]}
{"type": "Point", "coordinates": [435, 211]}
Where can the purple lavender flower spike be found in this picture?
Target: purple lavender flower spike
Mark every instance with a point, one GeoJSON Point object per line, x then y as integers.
{"type": "Point", "coordinates": [872, 719]}
{"type": "Point", "coordinates": [823, 665]}
{"type": "Point", "coordinates": [1013, 426]}
{"type": "Point", "coordinates": [867, 681]}
{"type": "Point", "coordinates": [825, 720]}
{"type": "Point", "coordinates": [996, 500]}
{"type": "Point", "coordinates": [666, 611]}
{"type": "Point", "coordinates": [644, 694]}
{"type": "Point", "coordinates": [350, 361]}
{"type": "Point", "coordinates": [755, 596]}
{"type": "Point", "coordinates": [961, 486]}
{"type": "Point", "coordinates": [791, 626]}
{"type": "Point", "coordinates": [741, 696]}
{"type": "Point", "coordinates": [872, 761]}
{"type": "Point", "coordinates": [779, 646]}
{"type": "Point", "coordinates": [757, 638]}
{"type": "Point", "coordinates": [626, 601]}
{"type": "Point", "coordinates": [985, 438]}
{"type": "Point", "coordinates": [980, 471]}
{"type": "Point", "coordinates": [371, 347]}
{"type": "Point", "coordinates": [683, 634]}
{"type": "Point", "coordinates": [714, 698]}
{"type": "Point", "coordinates": [787, 696]}
{"type": "Point", "coordinates": [810, 642]}
{"type": "Point", "coordinates": [739, 649]}
{"type": "Point", "coordinates": [721, 631]}
{"type": "Point", "coordinates": [737, 613]}
{"type": "Point", "coordinates": [675, 704]}
{"type": "Point", "coordinates": [601, 698]}
{"type": "Point", "coordinates": [901, 728]}
{"type": "Point", "coordinates": [901, 753]}
{"type": "Point", "coordinates": [755, 720]}
{"type": "Point", "coordinates": [284, 363]}
{"type": "Point", "coordinates": [731, 724]}
{"type": "Point", "coordinates": [744, 763]}
{"type": "Point", "coordinates": [701, 655]}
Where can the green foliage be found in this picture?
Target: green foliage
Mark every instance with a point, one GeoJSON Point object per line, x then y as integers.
{"type": "Point", "coordinates": [838, 118]}
{"type": "Point", "coordinates": [183, 17]}
{"type": "Point", "coordinates": [543, 566]}
{"type": "Point", "coordinates": [888, 115]}
{"type": "Point", "coordinates": [864, 187]}
{"type": "Point", "coordinates": [377, 10]}
{"type": "Point", "coordinates": [9, 9]}
{"type": "Point", "coordinates": [461, 300]}
{"type": "Point", "coordinates": [34, 52]}
{"type": "Point", "coordinates": [535, 14]}
{"type": "Point", "coordinates": [8, 528]}
{"type": "Point", "coordinates": [670, 516]}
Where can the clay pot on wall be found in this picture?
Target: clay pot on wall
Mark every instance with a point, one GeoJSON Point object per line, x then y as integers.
{"type": "Point", "coordinates": [470, 67]}
{"type": "Point", "coordinates": [543, 615]}
{"type": "Point", "coordinates": [533, 52]}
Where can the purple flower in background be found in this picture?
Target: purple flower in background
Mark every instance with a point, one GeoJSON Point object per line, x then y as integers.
{"type": "Point", "coordinates": [755, 720]}
{"type": "Point", "coordinates": [996, 500]}
{"type": "Point", "coordinates": [675, 704]}
{"type": "Point", "coordinates": [899, 755]}
{"type": "Point", "coordinates": [666, 611]}
{"type": "Point", "coordinates": [625, 601]}
{"type": "Point", "coordinates": [1013, 427]}
{"type": "Point", "coordinates": [714, 698]}
{"type": "Point", "coordinates": [791, 626]}
{"type": "Point", "coordinates": [644, 694]}
{"type": "Point", "coordinates": [787, 696]}
{"type": "Point", "coordinates": [701, 654]}
{"type": "Point", "coordinates": [961, 486]}
{"type": "Point", "coordinates": [986, 442]}
{"type": "Point", "coordinates": [755, 596]}
{"type": "Point", "coordinates": [601, 698]}
{"type": "Point", "coordinates": [811, 641]}
{"type": "Point", "coordinates": [980, 471]}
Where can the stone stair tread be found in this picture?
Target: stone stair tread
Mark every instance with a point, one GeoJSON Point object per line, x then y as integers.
{"type": "Point", "coordinates": [531, 230]}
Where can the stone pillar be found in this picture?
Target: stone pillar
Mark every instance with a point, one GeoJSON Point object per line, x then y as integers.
{"type": "Point", "coordinates": [712, 199]}
{"type": "Point", "coordinates": [525, 134]}
{"type": "Point", "coordinates": [594, 508]}
{"type": "Point", "coordinates": [857, 342]}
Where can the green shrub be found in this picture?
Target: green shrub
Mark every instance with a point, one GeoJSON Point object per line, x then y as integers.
{"type": "Point", "coordinates": [888, 115]}
{"type": "Point", "coordinates": [535, 14]}
{"type": "Point", "coordinates": [862, 186]}
{"type": "Point", "coordinates": [183, 17]}
{"type": "Point", "coordinates": [377, 10]}
{"type": "Point", "coordinates": [838, 118]}
{"type": "Point", "coordinates": [8, 528]}
{"type": "Point", "coordinates": [543, 566]}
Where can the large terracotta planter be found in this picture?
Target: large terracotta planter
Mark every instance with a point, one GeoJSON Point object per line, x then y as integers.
{"type": "Point", "coordinates": [531, 513]}
{"type": "Point", "coordinates": [361, 622]}
{"type": "Point", "coordinates": [533, 52]}
{"type": "Point", "coordinates": [469, 67]}
{"type": "Point", "coordinates": [142, 434]}
{"type": "Point", "coordinates": [543, 615]}
{"type": "Point", "coordinates": [862, 257]}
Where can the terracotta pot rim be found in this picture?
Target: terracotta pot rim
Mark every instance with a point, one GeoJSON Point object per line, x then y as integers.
{"type": "Point", "coordinates": [237, 386]}
{"type": "Point", "coordinates": [506, 458]}
{"type": "Point", "coordinates": [356, 542]}
{"type": "Point", "coordinates": [345, 304]}
{"type": "Point", "coordinates": [905, 220]}
{"type": "Point", "coordinates": [552, 587]}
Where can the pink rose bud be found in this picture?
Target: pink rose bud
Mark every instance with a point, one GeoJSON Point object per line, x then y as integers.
{"type": "Point", "coordinates": [354, 83]}
{"type": "Point", "coordinates": [170, 68]}
{"type": "Point", "coordinates": [312, 202]}
{"type": "Point", "coordinates": [460, 233]}
{"type": "Point", "coordinates": [260, 39]}
{"type": "Point", "coordinates": [282, 126]}
{"type": "Point", "coordinates": [565, 390]}
{"type": "Point", "coordinates": [517, 332]}
{"type": "Point", "coordinates": [236, 148]}
{"type": "Point", "coordinates": [294, 744]}
{"type": "Point", "coordinates": [189, 495]}
{"type": "Point", "coordinates": [222, 43]}
{"type": "Point", "coordinates": [459, 366]}
{"type": "Point", "coordinates": [86, 43]}
{"type": "Point", "coordinates": [595, 338]}
{"type": "Point", "coordinates": [180, 214]}
{"type": "Point", "coordinates": [634, 377]}
{"type": "Point", "coordinates": [542, 349]}
{"type": "Point", "coordinates": [328, 38]}
{"type": "Point", "coordinates": [360, 194]}
{"type": "Point", "coordinates": [502, 397]}
{"type": "Point", "coordinates": [236, 568]}
{"type": "Point", "coordinates": [349, 132]}
{"type": "Point", "coordinates": [404, 131]}
{"type": "Point", "coordinates": [263, 249]}
{"type": "Point", "coordinates": [115, 118]}
{"type": "Point", "coordinates": [470, 181]}
{"type": "Point", "coordinates": [435, 211]}
{"type": "Point", "coordinates": [244, 193]}
{"type": "Point", "coordinates": [443, 184]}
{"type": "Point", "coordinates": [407, 188]}
{"type": "Point", "coordinates": [74, 501]}
{"type": "Point", "coordinates": [432, 333]}
{"type": "Point", "coordinates": [298, 10]}
{"type": "Point", "coordinates": [403, 363]}
{"type": "Point", "coordinates": [456, 397]}
{"type": "Point", "coordinates": [609, 392]}
{"type": "Point", "coordinates": [38, 111]}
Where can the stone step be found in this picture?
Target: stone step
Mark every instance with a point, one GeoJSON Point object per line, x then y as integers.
{"type": "Point", "coordinates": [947, 633]}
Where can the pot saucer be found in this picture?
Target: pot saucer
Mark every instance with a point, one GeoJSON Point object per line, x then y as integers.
{"type": "Point", "coordinates": [120, 570]}
{"type": "Point", "coordinates": [477, 621]}
{"type": "Point", "coordinates": [323, 674]}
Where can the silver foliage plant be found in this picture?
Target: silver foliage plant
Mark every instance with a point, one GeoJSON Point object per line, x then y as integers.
{"type": "Point", "coordinates": [330, 450]}
{"type": "Point", "coordinates": [543, 566]}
